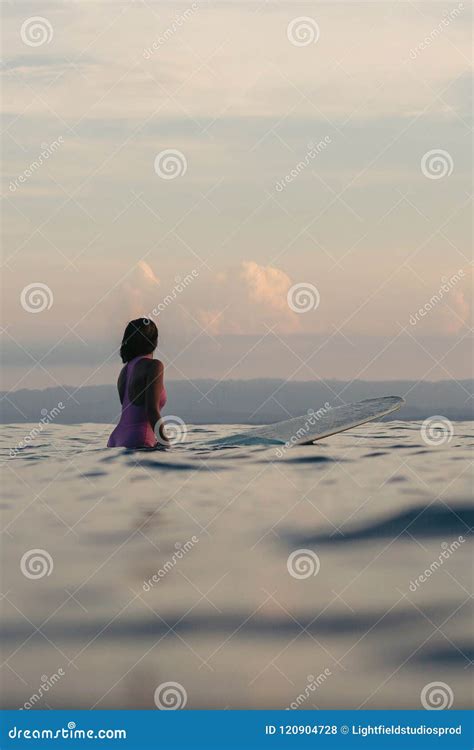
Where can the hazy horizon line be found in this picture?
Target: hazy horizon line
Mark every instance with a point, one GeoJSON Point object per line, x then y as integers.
{"type": "Point", "coordinates": [320, 381]}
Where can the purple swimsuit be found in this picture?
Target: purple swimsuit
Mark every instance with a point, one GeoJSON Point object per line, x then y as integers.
{"type": "Point", "coordinates": [134, 430]}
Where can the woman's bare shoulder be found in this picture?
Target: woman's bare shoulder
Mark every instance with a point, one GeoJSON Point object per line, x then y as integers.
{"type": "Point", "coordinates": [155, 366]}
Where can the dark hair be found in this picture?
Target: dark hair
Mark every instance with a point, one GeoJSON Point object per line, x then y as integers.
{"type": "Point", "coordinates": [140, 337]}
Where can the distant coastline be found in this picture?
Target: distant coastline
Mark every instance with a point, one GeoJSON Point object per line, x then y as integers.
{"type": "Point", "coordinates": [240, 401]}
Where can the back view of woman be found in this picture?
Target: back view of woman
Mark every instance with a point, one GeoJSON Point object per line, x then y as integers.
{"type": "Point", "coordinates": [141, 389]}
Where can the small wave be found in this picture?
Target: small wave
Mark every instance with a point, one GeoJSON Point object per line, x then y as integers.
{"type": "Point", "coordinates": [429, 522]}
{"type": "Point", "coordinates": [315, 460]}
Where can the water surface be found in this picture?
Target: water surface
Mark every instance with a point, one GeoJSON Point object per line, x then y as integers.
{"type": "Point", "coordinates": [174, 567]}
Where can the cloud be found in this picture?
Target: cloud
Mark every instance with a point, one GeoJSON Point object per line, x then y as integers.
{"type": "Point", "coordinates": [248, 300]}
{"type": "Point", "coordinates": [266, 285]}
{"type": "Point", "coordinates": [148, 272]}
{"type": "Point", "coordinates": [371, 70]}
{"type": "Point", "coordinates": [267, 289]}
{"type": "Point", "coordinates": [138, 292]}
{"type": "Point", "coordinates": [457, 312]}
{"type": "Point", "coordinates": [211, 321]}
{"type": "Point", "coordinates": [243, 123]}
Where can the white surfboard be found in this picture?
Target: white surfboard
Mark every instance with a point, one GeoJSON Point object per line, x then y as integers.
{"type": "Point", "coordinates": [314, 425]}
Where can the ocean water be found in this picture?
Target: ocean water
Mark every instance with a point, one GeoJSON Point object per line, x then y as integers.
{"type": "Point", "coordinates": [245, 579]}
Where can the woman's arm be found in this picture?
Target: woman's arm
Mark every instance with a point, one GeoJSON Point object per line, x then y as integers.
{"type": "Point", "coordinates": [121, 384]}
{"type": "Point", "coordinates": [152, 398]}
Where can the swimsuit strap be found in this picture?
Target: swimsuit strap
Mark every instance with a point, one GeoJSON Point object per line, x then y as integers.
{"type": "Point", "coordinates": [128, 371]}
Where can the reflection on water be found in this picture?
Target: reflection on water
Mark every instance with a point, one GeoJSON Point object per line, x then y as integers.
{"type": "Point", "coordinates": [173, 566]}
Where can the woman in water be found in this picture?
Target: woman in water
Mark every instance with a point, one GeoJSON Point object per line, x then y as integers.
{"type": "Point", "coordinates": [141, 390]}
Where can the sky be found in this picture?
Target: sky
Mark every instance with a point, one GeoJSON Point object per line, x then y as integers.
{"type": "Point", "coordinates": [281, 186]}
